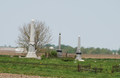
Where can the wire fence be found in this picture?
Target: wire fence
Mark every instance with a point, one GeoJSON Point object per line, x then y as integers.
{"type": "Point", "coordinates": [78, 68]}
{"type": "Point", "coordinates": [115, 68]}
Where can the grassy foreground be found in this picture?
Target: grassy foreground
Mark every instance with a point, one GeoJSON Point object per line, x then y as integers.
{"type": "Point", "coordinates": [53, 71]}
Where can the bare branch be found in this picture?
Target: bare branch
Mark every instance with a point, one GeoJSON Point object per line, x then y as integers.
{"type": "Point", "coordinates": [42, 35]}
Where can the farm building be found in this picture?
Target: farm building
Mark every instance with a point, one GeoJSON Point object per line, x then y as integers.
{"type": "Point", "coordinates": [10, 49]}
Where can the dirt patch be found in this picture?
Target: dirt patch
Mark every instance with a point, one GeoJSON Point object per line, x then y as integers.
{"type": "Point", "coordinates": [99, 56]}
{"type": "Point", "coordinates": [7, 75]}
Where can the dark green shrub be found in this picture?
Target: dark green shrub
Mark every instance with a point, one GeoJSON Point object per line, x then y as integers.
{"type": "Point", "coordinates": [17, 56]}
{"type": "Point", "coordinates": [53, 54]}
{"type": "Point", "coordinates": [75, 56]}
{"type": "Point", "coordinates": [43, 57]}
{"type": "Point", "coordinates": [67, 59]}
{"type": "Point", "coordinates": [4, 55]}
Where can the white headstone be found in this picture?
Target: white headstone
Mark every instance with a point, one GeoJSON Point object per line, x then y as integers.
{"type": "Point", "coordinates": [11, 56]}
{"type": "Point", "coordinates": [113, 53]}
{"type": "Point", "coordinates": [19, 56]}
{"type": "Point", "coordinates": [116, 53]}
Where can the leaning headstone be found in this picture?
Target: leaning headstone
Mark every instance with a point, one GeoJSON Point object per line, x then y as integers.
{"type": "Point", "coordinates": [31, 52]}
{"type": "Point", "coordinates": [19, 56]}
{"type": "Point", "coordinates": [78, 52]}
{"type": "Point", "coordinates": [59, 51]}
{"type": "Point", "coordinates": [11, 56]}
{"type": "Point", "coordinates": [116, 53]}
{"type": "Point", "coordinates": [113, 53]}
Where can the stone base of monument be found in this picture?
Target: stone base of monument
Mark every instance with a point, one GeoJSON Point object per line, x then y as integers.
{"type": "Point", "coordinates": [78, 57]}
{"type": "Point", "coordinates": [59, 53]}
{"type": "Point", "coordinates": [31, 55]}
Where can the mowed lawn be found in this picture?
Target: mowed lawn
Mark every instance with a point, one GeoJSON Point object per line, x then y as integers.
{"type": "Point", "coordinates": [52, 70]}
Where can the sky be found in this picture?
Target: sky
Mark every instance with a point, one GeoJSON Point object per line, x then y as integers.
{"type": "Point", "coordinates": [96, 21]}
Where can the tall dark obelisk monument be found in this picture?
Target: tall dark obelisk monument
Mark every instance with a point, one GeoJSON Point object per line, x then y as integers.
{"type": "Point", "coordinates": [32, 52]}
{"type": "Point", "coordinates": [78, 52]}
{"type": "Point", "coordinates": [59, 51]}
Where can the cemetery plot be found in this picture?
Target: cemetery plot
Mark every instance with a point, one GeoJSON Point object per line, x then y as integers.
{"type": "Point", "coordinates": [55, 67]}
{"type": "Point", "coordinates": [64, 67]}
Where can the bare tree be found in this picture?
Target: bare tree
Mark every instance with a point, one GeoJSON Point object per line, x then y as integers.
{"type": "Point", "coordinates": [42, 35]}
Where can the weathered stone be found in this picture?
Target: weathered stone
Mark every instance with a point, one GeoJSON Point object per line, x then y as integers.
{"type": "Point", "coordinates": [19, 56]}
{"type": "Point", "coordinates": [59, 51]}
{"type": "Point", "coordinates": [32, 52]}
{"type": "Point", "coordinates": [78, 52]}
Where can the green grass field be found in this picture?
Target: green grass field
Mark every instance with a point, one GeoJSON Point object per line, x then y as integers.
{"type": "Point", "coordinates": [58, 71]}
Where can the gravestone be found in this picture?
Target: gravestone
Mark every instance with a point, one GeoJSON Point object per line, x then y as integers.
{"type": "Point", "coordinates": [78, 52]}
{"type": "Point", "coordinates": [59, 51]}
{"type": "Point", "coordinates": [31, 52]}
{"type": "Point", "coordinates": [19, 56]}
{"type": "Point", "coordinates": [11, 56]}
{"type": "Point", "coordinates": [113, 53]}
{"type": "Point", "coordinates": [116, 53]}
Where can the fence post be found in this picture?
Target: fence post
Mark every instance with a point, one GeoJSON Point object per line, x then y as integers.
{"type": "Point", "coordinates": [49, 54]}
{"type": "Point", "coordinates": [66, 54]}
{"type": "Point", "coordinates": [95, 69]}
{"type": "Point", "coordinates": [117, 67]}
{"type": "Point", "coordinates": [78, 68]}
{"type": "Point", "coordinates": [100, 70]}
{"type": "Point", "coordinates": [45, 54]}
{"type": "Point", "coordinates": [112, 70]}
{"type": "Point", "coordinates": [89, 65]}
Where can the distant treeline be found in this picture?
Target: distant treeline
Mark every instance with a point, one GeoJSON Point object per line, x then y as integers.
{"type": "Point", "coordinates": [91, 50]}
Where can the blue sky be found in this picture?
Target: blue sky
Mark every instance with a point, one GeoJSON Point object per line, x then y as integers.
{"type": "Point", "coordinates": [97, 21]}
